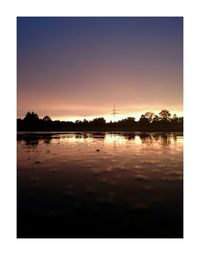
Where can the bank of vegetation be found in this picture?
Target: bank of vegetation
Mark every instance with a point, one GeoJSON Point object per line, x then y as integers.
{"type": "Point", "coordinates": [149, 121]}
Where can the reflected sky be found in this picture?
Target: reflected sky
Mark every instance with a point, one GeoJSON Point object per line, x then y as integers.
{"type": "Point", "coordinates": [105, 138]}
{"type": "Point", "coordinates": [99, 152]}
{"type": "Point", "coordinates": [100, 183]}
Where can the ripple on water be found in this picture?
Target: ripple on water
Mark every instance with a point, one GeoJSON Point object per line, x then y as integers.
{"type": "Point", "coordinates": [109, 168]}
{"type": "Point", "coordinates": [141, 177]}
{"type": "Point", "coordinates": [172, 177]}
{"type": "Point", "coordinates": [104, 180]}
{"type": "Point", "coordinates": [37, 162]}
{"type": "Point", "coordinates": [95, 171]}
{"type": "Point", "coordinates": [155, 170]}
{"type": "Point", "coordinates": [138, 166]}
{"type": "Point", "coordinates": [53, 169]}
{"type": "Point", "coordinates": [113, 182]}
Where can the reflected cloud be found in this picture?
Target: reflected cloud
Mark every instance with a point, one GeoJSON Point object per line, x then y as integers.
{"type": "Point", "coordinates": [115, 138]}
{"type": "Point", "coordinates": [137, 139]}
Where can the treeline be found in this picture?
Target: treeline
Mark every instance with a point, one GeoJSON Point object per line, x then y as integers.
{"type": "Point", "coordinates": [149, 121]}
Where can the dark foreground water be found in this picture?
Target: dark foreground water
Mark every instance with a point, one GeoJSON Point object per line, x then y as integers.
{"type": "Point", "coordinates": [100, 185]}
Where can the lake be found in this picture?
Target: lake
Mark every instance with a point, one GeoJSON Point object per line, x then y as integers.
{"type": "Point", "coordinates": [93, 184]}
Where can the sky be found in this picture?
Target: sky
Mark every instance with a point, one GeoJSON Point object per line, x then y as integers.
{"type": "Point", "coordinates": [73, 68]}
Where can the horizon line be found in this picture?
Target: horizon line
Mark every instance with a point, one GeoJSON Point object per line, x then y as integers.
{"type": "Point", "coordinates": [107, 117]}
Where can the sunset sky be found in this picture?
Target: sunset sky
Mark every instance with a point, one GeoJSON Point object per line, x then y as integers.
{"type": "Point", "coordinates": [75, 68]}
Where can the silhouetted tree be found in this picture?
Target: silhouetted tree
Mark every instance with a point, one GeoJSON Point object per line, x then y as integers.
{"type": "Point", "coordinates": [180, 119]}
{"type": "Point", "coordinates": [128, 122]}
{"type": "Point", "coordinates": [147, 122]}
{"type": "Point", "coordinates": [47, 118]}
{"type": "Point", "coordinates": [85, 121]}
{"type": "Point", "coordinates": [165, 115]}
{"type": "Point", "coordinates": [174, 120]}
{"type": "Point", "coordinates": [143, 120]}
{"type": "Point", "coordinates": [149, 116]}
{"type": "Point", "coordinates": [130, 119]}
{"type": "Point", "coordinates": [155, 118]}
{"type": "Point", "coordinates": [30, 117]}
{"type": "Point", "coordinates": [99, 122]}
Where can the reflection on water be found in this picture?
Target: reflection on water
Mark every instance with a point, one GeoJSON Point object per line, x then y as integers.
{"type": "Point", "coordinates": [100, 184]}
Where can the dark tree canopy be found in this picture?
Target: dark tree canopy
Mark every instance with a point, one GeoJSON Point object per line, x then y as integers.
{"type": "Point", "coordinates": [147, 122]}
{"type": "Point", "coordinates": [143, 120]}
{"type": "Point", "coordinates": [47, 118]}
{"type": "Point", "coordinates": [149, 116]}
{"type": "Point", "coordinates": [98, 121]}
{"type": "Point", "coordinates": [165, 115]}
{"type": "Point", "coordinates": [155, 118]}
{"type": "Point", "coordinates": [31, 116]}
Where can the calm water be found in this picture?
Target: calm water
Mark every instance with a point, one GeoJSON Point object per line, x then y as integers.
{"type": "Point", "coordinates": [100, 184]}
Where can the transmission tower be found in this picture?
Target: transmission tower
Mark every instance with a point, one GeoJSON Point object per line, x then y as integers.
{"type": "Point", "coordinates": [114, 111]}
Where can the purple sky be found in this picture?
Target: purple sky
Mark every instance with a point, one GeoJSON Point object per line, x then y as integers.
{"type": "Point", "coordinates": [74, 68]}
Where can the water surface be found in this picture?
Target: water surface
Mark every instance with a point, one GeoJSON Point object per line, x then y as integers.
{"type": "Point", "coordinates": [100, 184]}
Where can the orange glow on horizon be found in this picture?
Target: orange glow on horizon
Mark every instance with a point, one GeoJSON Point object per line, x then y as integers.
{"type": "Point", "coordinates": [110, 117]}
